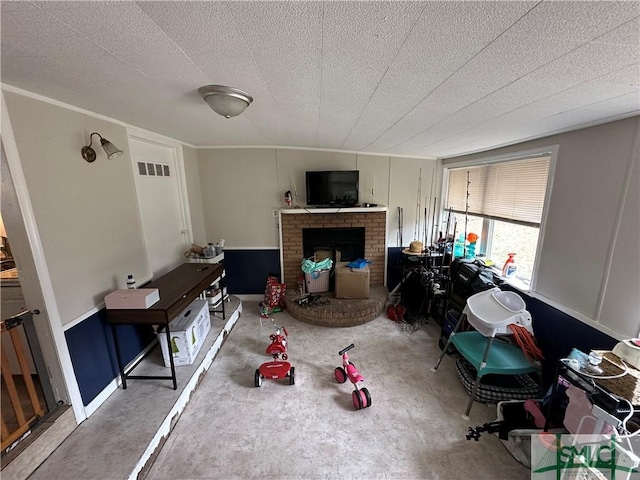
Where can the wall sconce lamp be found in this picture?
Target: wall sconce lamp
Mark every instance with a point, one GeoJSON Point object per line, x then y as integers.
{"type": "Point", "coordinates": [89, 154]}
{"type": "Point", "coordinates": [226, 101]}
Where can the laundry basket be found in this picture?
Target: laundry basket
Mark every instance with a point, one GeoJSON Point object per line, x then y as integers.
{"type": "Point", "coordinates": [625, 386]}
{"type": "Point", "coordinates": [318, 281]}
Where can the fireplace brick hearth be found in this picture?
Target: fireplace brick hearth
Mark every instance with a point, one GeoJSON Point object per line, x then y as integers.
{"type": "Point", "coordinates": [292, 224]}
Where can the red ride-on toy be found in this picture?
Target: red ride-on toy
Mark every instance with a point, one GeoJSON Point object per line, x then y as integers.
{"type": "Point", "coordinates": [278, 367]}
{"type": "Point", "coordinates": [360, 396]}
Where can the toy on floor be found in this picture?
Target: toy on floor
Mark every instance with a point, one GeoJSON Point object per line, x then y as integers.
{"type": "Point", "coordinates": [278, 367]}
{"type": "Point", "coordinates": [360, 396]}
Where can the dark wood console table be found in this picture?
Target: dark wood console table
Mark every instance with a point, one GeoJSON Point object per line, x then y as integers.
{"type": "Point", "coordinates": [178, 289]}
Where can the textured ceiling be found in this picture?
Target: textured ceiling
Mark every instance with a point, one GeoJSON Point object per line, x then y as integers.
{"type": "Point", "coordinates": [423, 79]}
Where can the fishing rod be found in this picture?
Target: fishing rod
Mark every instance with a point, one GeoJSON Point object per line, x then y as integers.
{"type": "Point", "coordinates": [399, 235]}
{"type": "Point", "coordinates": [466, 218]}
{"type": "Point", "coordinates": [426, 219]}
{"type": "Point", "coordinates": [401, 220]}
{"type": "Point", "coordinates": [433, 223]}
{"type": "Point", "coordinates": [426, 228]}
{"type": "Point", "coordinates": [446, 239]}
{"type": "Point", "coordinates": [416, 230]}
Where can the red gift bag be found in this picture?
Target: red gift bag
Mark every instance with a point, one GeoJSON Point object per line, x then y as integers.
{"type": "Point", "coordinates": [274, 294]}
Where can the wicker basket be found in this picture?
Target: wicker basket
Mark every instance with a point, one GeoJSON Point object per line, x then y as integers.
{"type": "Point", "coordinates": [627, 386]}
{"type": "Point", "coordinates": [317, 282]}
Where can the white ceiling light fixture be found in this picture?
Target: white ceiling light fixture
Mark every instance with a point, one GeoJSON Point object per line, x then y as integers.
{"type": "Point", "coordinates": [226, 101]}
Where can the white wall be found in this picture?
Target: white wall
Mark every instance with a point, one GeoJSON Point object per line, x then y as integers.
{"type": "Point", "coordinates": [410, 188]}
{"type": "Point", "coordinates": [589, 265]}
{"type": "Point", "coordinates": [242, 186]}
{"type": "Point", "coordinates": [239, 191]}
{"type": "Point", "coordinates": [292, 165]}
{"type": "Point", "coordinates": [87, 213]}
{"type": "Point", "coordinates": [194, 194]}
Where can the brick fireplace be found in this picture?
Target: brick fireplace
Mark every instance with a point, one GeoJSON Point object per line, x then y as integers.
{"type": "Point", "coordinates": [292, 223]}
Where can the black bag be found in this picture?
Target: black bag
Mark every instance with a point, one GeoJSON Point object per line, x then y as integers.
{"type": "Point", "coordinates": [469, 277]}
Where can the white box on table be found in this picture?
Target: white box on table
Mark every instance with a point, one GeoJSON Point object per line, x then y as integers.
{"type": "Point", "coordinates": [132, 298]}
{"type": "Point", "coordinates": [187, 331]}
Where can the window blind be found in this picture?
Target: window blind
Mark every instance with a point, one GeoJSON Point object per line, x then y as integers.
{"type": "Point", "coordinates": [511, 191]}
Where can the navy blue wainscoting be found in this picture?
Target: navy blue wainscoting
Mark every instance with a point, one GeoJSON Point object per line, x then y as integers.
{"type": "Point", "coordinates": [247, 270]}
{"type": "Point", "coordinates": [557, 333]}
{"type": "Point", "coordinates": [93, 354]}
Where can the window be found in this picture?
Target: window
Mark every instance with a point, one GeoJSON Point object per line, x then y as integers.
{"type": "Point", "coordinates": [502, 203]}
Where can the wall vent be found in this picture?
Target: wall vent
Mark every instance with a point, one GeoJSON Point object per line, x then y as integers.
{"type": "Point", "coordinates": [153, 169]}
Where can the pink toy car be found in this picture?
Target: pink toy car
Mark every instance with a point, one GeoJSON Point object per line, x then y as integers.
{"type": "Point", "coordinates": [278, 367]}
{"type": "Point", "coordinates": [360, 396]}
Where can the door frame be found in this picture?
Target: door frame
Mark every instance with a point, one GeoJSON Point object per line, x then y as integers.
{"type": "Point", "coordinates": [52, 339]}
{"type": "Point", "coordinates": [151, 138]}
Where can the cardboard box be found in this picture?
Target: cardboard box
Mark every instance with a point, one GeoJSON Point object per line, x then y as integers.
{"type": "Point", "coordinates": [132, 298]}
{"type": "Point", "coordinates": [352, 282]}
{"type": "Point", "coordinates": [321, 254]}
{"type": "Point", "coordinates": [188, 332]}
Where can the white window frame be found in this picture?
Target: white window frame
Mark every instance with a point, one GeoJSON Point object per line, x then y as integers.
{"type": "Point", "coordinates": [552, 151]}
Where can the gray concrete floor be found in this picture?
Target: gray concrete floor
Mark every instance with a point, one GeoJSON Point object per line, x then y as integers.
{"type": "Point", "coordinates": [310, 430]}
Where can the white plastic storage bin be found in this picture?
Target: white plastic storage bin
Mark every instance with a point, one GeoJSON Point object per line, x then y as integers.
{"type": "Point", "coordinates": [188, 332]}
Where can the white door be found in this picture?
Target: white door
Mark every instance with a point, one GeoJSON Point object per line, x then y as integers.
{"type": "Point", "coordinates": [160, 200]}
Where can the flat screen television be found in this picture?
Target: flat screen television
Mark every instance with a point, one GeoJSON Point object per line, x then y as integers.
{"type": "Point", "coordinates": [337, 188]}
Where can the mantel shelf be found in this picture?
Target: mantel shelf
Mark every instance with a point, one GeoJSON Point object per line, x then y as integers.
{"type": "Point", "coordinates": [287, 211]}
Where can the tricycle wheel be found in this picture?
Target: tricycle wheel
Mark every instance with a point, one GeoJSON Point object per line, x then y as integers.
{"type": "Point", "coordinates": [341, 375]}
{"type": "Point", "coordinates": [357, 401]}
{"type": "Point", "coordinates": [258, 378]}
{"type": "Point", "coordinates": [363, 399]}
{"type": "Point", "coordinates": [284, 356]}
{"type": "Point", "coordinates": [292, 376]}
{"type": "Point", "coordinates": [367, 397]}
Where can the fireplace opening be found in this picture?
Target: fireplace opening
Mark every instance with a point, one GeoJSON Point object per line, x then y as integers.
{"type": "Point", "coordinates": [348, 241]}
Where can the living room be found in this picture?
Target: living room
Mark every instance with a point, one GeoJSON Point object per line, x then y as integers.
{"type": "Point", "coordinates": [84, 231]}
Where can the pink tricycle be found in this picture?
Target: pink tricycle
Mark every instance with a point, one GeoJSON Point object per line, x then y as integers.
{"type": "Point", "coordinates": [278, 367]}
{"type": "Point", "coordinates": [360, 396]}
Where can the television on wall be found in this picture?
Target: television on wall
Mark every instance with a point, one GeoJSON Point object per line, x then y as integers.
{"type": "Point", "coordinates": [337, 188]}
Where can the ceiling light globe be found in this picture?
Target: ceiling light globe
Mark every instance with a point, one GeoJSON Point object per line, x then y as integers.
{"type": "Point", "coordinates": [226, 101]}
